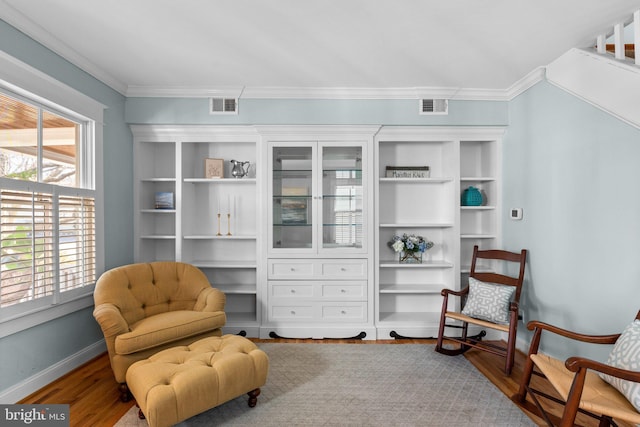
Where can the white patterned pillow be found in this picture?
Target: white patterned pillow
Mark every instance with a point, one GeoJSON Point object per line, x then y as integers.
{"type": "Point", "coordinates": [488, 301]}
{"type": "Point", "coordinates": [626, 355]}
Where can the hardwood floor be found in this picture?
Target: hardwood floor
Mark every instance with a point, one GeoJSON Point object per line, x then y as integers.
{"type": "Point", "coordinates": [92, 393]}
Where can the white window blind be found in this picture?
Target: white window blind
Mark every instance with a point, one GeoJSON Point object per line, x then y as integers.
{"type": "Point", "coordinates": [27, 232]}
{"type": "Point", "coordinates": [77, 248]}
{"type": "Point", "coordinates": [45, 236]}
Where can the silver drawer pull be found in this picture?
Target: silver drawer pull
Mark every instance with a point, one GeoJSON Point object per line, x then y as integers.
{"type": "Point", "coordinates": [293, 291]}
{"type": "Point", "coordinates": [343, 268]}
{"type": "Point", "coordinates": [293, 269]}
{"type": "Point", "coordinates": [343, 312]}
{"type": "Point", "coordinates": [344, 291]}
{"type": "Point", "coordinates": [293, 313]}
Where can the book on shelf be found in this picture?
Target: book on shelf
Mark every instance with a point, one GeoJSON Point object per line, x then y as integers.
{"type": "Point", "coordinates": [407, 172]}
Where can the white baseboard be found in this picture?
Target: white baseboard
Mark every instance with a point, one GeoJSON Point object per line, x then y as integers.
{"type": "Point", "coordinates": [52, 373]}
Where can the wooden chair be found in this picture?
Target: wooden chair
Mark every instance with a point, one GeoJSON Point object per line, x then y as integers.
{"type": "Point", "coordinates": [577, 382]}
{"type": "Point", "coordinates": [510, 308]}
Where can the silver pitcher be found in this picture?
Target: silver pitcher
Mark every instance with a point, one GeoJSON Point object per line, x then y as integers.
{"type": "Point", "coordinates": [240, 169]}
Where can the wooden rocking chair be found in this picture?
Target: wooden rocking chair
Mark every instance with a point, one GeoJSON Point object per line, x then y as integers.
{"type": "Point", "coordinates": [504, 304]}
{"type": "Point", "coordinates": [577, 381]}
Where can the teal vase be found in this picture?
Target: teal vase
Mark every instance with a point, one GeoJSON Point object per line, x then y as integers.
{"type": "Point", "coordinates": [471, 197]}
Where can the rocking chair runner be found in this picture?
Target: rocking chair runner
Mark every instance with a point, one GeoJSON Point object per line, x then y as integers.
{"type": "Point", "coordinates": [578, 382]}
{"type": "Point", "coordinates": [501, 312]}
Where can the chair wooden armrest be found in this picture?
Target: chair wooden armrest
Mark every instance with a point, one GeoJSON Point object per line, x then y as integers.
{"type": "Point", "coordinates": [462, 292]}
{"type": "Point", "coordinates": [576, 363]}
{"type": "Point", "coordinates": [538, 327]}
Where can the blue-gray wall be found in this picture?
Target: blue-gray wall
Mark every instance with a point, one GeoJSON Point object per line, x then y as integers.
{"type": "Point", "coordinates": [572, 167]}
{"type": "Point", "coordinates": [574, 170]}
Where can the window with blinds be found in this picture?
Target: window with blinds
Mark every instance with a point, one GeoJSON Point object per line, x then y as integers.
{"type": "Point", "coordinates": [47, 204]}
{"type": "Point", "coordinates": [46, 239]}
{"type": "Point", "coordinates": [76, 243]}
{"type": "Point", "coordinates": [28, 246]}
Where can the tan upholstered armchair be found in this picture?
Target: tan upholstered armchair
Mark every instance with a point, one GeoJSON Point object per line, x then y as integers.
{"type": "Point", "coordinates": [145, 308]}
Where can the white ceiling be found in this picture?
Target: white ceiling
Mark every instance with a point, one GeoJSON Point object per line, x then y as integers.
{"type": "Point", "coordinates": [218, 44]}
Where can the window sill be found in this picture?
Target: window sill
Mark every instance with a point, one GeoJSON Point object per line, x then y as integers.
{"type": "Point", "coordinates": [42, 315]}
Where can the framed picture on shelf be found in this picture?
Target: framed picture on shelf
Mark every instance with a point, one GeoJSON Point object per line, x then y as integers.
{"type": "Point", "coordinates": [214, 168]}
{"type": "Point", "coordinates": [294, 207]}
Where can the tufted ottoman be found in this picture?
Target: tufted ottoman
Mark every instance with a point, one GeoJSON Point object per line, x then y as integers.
{"type": "Point", "coordinates": [180, 382]}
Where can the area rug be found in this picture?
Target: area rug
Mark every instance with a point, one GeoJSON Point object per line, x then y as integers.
{"type": "Point", "coordinates": [364, 385]}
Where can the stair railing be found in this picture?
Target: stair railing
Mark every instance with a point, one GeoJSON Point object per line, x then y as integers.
{"type": "Point", "coordinates": [619, 46]}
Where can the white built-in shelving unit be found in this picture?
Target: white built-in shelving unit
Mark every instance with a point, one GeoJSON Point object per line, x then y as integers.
{"type": "Point", "coordinates": [227, 250]}
{"type": "Point", "coordinates": [306, 251]}
{"type": "Point", "coordinates": [408, 296]}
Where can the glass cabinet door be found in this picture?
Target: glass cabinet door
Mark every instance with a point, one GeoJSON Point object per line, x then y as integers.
{"type": "Point", "coordinates": [342, 197]}
{"type": "Point", "coordinates": [292, 190]}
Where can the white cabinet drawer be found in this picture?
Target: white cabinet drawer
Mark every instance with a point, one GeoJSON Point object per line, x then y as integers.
{"type": "Point", "coordinates": [284, 289]}
{"type": "Point", "coordinates": [329, 269]}
{"type": "Point", "coordinates": [343, 269]}
{"type": "Point", "coordinates": [293, 312]}
{"type": "Point", "coordinates": [351, 312]}
{"type": "Point", "coordinates": [292, 269]}
{"type": "Point", "coordinates": [344, 290]}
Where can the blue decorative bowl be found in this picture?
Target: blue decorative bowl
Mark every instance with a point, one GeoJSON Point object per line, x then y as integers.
{"type": "Point", "coordinates": [471, 197]}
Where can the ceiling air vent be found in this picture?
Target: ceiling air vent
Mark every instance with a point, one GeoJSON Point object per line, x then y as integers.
{"type": "Point", "coordinates": [434, 106]}
{"type": "Point", "coordinates": [223, 106]}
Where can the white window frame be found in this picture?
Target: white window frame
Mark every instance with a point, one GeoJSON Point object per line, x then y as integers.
{"type": "Point", "coordinates": [27, 82]}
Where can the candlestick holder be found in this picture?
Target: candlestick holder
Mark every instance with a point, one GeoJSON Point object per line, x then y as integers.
{"type": "Point", "coordinates": [219, 233]}
{"type": "Point", "coordinates": [228, 224]}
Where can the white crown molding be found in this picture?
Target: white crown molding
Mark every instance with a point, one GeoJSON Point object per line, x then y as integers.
{"type": "Point", "coordinates": [340, 92]}
{"type": "Point", "coordinates": [347, 93]}
{"type": "Point", "coordinates": [45, 38]}
{"type": "Point", "coordinates": [526, 82]}
{"type": "Point", "coordinates": [282, 92]}
{"type": "Point", "coordinates": [184, 91]}
{"type": "Point", "coordinates": [470, 94]}
{"type": "Point", "coordinates": [508, 94]}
